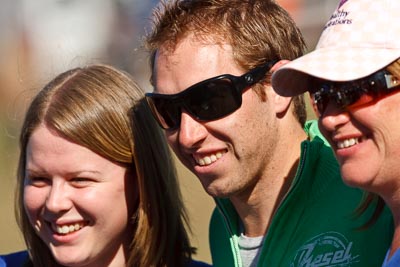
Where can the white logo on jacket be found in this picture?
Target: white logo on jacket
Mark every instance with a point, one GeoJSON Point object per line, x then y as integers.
{"type": "Point", "coordinates": [327, 249]}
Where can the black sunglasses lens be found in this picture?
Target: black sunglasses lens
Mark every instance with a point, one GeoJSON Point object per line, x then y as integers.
{"type": "Point", "coordinates": [341, 98]}
{"type": "Point", "coordinates": [346, 97]}
{"type": "Point", "coordinates": [167, 112]}
{"type": "Point", "coordinates": [209, 100]}
{"type": "Point", "coordinates": [213, 100]}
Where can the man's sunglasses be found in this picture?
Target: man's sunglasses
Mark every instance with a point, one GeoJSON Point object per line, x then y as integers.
{"type": "Point", "coordinates": [355, 93]}
{"type": "Point", "coordinates": [208, 100]}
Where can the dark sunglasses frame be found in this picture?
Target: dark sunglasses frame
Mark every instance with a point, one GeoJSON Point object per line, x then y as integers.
{"type": "Point", "coordinates": [345, 94]}
{"type": "Point", "coordinates": [196, 100]}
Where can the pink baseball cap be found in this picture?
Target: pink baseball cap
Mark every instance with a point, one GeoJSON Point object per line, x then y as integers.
{"type": "Point", "coordinates": [360, 38]}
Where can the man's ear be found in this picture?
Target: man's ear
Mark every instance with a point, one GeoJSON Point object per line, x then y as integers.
{"type": "Point", "coordinates": [281, 103]}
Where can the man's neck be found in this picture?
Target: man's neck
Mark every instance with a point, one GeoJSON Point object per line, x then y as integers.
{"type": "Point", "coordinates": [257, 206]}
{"type": "Point", "coordinates": [257, 211]}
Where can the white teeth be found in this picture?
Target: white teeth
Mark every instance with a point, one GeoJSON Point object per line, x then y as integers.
{"type": "Point", "coordinates": [207, 160]}
{"type": "Point", "coordinates": [66, 229]}
{"type": "Point", "coordinates": [347, 143]}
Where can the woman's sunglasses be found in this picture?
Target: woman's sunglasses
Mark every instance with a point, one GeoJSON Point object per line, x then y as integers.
{"type": "Point", "coordinates": [355, 93]}
{"type": "Point", "coordinates": [208, 100]}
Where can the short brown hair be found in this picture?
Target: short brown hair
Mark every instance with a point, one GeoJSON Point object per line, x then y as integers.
{"type": "Point", "coordinates": [257, 30]}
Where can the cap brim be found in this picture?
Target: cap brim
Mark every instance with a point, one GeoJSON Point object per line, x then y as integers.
{"type": "Point", "coordinates": [334, 64]}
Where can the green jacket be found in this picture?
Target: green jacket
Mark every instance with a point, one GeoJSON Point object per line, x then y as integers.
{"type": "Point", "coordinates": [315, 224]}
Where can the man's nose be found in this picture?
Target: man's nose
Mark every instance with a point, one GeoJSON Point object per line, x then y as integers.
{"type": "Point", "coordinates": [191, 131]}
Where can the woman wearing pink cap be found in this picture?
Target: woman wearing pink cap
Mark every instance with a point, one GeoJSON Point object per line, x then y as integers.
{"type": "Point", "coordinates": [354, 79]}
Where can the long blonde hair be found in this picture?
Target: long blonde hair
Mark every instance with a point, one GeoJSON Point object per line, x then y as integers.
{"type": "Point", "coordinates": [92, 106]}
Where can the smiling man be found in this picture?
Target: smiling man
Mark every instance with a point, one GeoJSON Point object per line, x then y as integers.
{"type": "Point", "coordinates": [280, 199]}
